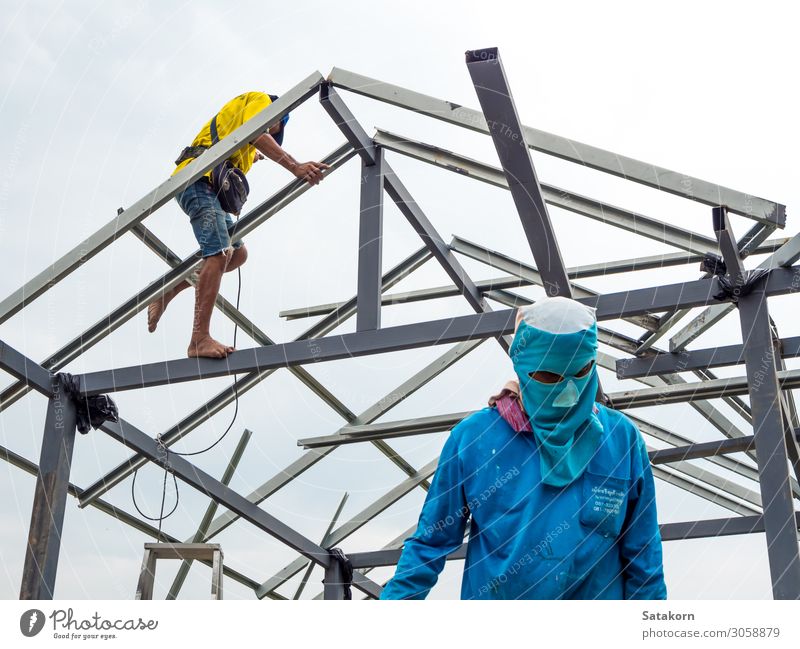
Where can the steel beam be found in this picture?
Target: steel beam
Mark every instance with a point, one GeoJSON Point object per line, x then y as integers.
{"type": "Point", "coordinates": [585, 155]}
{"type": "Point", "coordinates": [749, 244]}
{"type": "Point", "coordinates": [691, 478]}
{"type": "Point", "coordinates": [601, 211]}
{"type": "Point", "coordinates": [704, 408]}
{"type": "Point", "coordinates": [702, 450]}
{"type": "Point", "coordinates": [148, 204]}
{"type": "Point", "coordinates": [685, 449]}
{"type": "Point", "coordinates": [704, 529]}
{"type": "Point", "coordinates": [469, 327]}
{"type": "Point", "coordinates": [683, 392]}
{"type": "Point", "coordinates": [494, 95]}
{"type": "Point", "coordinates": [50, 496]}
{"type": "Point", "coordinates": [29, 373]}
{"type": "Point", "coordinates": [707, 410]}
{"type": "Point", "coordinates": [687, 360]}
{"type": "Point", "coordinates": [730, 464]}
{"type": "Point", "coordinates": [138, 441]}
{"type": "Point", "coordinates": [332, 307]}
{"type": "Point", "coordinates": [486, 287]}
{"type": "Point", "coordinates": [385, 430]}
{"type": "Point", "coordinates": [754, 237]}
{"type": "Point", "coordinates": [792, 420]}
{"type": "Point", "coordinates": [438, 423]}
{"type": "Point", "coordinates": [370, 244]}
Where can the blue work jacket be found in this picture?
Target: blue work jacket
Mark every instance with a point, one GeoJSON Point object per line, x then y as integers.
{"type": "Point", "coordinates": [595, 538]}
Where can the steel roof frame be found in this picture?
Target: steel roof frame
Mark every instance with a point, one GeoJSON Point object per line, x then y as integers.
{"type": "Point", "coordinates": [772, 415]}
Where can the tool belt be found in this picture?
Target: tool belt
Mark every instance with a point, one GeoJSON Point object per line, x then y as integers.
{"type": "Point", "coordinates": [227, 181]}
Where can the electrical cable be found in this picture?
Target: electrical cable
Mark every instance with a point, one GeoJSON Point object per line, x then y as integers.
{"type": "Point", "coordinates": [162, 516]}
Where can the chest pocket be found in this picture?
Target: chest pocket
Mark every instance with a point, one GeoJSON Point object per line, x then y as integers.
{"type": "Point", "coordinates": [604, 503]}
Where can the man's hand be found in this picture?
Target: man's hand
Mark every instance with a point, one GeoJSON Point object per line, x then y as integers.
{"type": "Point", "coordinates": [311, 172]}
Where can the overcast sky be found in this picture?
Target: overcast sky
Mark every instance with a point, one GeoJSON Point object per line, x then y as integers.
{"type": "Point", "coordinates": [98, 98]}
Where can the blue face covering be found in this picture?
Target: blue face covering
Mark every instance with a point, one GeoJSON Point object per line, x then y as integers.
{"type": "Point", "coordinates": [562, 414]}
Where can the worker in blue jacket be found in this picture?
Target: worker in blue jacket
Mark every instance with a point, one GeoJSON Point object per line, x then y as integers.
{"type": "Point", "coordinates": [557, 488]}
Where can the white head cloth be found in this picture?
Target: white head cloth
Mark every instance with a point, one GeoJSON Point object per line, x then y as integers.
{"type": "Point", "coordinates": [558, 315]}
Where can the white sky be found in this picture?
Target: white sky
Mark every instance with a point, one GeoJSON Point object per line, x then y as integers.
{"type": "Point", "coordinates": [97, 99]}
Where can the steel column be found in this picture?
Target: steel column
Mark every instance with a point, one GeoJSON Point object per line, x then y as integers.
{"type": "Point", "coordinates": [334, 586]}
{"type": "Point", "coordinates": [370, 244]}
{"type": "Point", "coordinates": [768, 423]}
{"type": "Point", "coordinates": [50, 496]}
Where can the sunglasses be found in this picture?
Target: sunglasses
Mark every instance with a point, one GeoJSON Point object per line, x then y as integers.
{"type": "Point", "coordinates": [543, 376]}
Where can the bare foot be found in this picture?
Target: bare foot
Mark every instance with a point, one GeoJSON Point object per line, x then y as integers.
{"type": "Point", "coordinates": [208, 348]}
{"type": "Point", "coordinates": [154, 312]}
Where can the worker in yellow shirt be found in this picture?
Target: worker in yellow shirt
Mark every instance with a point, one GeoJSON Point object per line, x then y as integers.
{"type": "Point", "coordinates": [211, 224]}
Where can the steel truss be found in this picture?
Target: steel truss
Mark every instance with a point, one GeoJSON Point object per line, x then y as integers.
{"type": "Point", "coordinates": [771, 451]}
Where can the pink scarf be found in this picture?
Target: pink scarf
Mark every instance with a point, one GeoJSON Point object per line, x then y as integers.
{"type": "Point", "coordinates": [509, 405]}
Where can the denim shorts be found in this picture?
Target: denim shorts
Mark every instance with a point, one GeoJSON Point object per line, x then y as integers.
{"type": "Point", "coordinates": [211, 224]}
